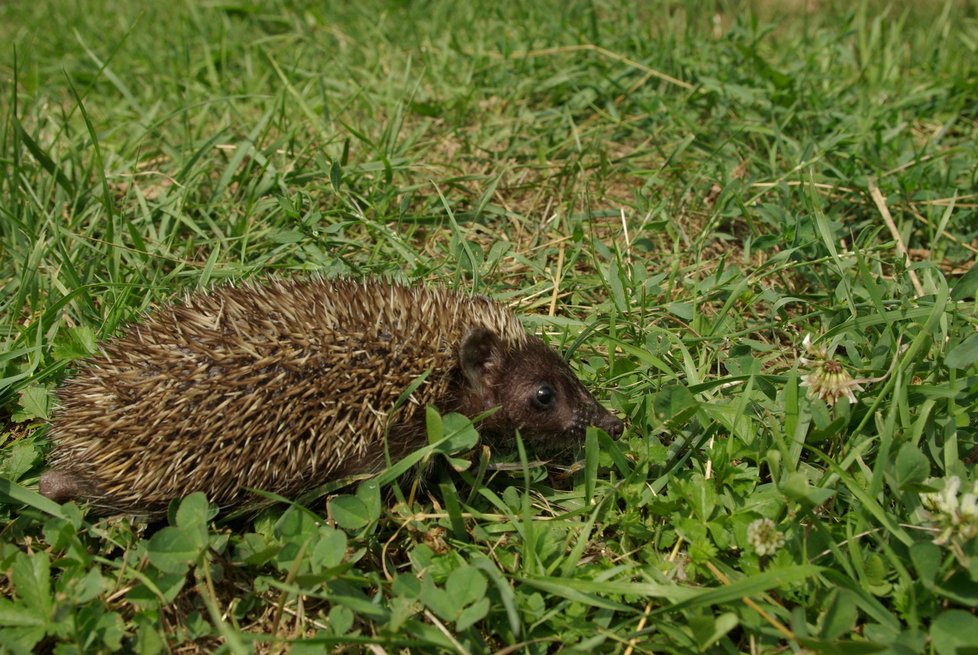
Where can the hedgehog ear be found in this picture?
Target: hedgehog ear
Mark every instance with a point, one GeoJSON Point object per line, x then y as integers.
{"type": "Point", "coordinates": [480, 350]}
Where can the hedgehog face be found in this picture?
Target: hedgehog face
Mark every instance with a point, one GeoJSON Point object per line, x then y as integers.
{"type": "Point", "coordinates": [535, 391]}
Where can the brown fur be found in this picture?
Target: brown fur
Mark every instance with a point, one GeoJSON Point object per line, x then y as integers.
{"type": "Point", "coordinates": [285, 386]}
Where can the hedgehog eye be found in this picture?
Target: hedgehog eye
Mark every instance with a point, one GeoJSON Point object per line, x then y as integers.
{"type": "Point", "coordinates": [544, 397]}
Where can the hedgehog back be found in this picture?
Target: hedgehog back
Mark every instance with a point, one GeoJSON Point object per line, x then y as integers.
{"type": "Point", "coordinates": [278, 387]}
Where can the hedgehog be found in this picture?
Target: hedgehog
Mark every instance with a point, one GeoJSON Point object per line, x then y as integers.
{"type": "Point", "coordinates": [289, 384]}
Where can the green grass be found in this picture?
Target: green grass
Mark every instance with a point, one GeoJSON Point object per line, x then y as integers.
{"type": "Point", "coordinates": [680, 191]}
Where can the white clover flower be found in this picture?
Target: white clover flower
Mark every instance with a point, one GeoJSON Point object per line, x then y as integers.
{"type": "Point", "coordinates": [956, 518]}
{"type": "Point", "coordinates": [827, 380]}
{"type": "Point", "coordinates": [969, 504]}
{"type": "Point", "coordinates": [968, 513]}
{"type": "Point", "coordinates": [763, 535]}
{"type": "Point", "coordinates": [944, 501]}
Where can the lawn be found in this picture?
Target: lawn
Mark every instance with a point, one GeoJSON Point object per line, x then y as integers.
{"type": "Point", "coordinates": [752, 226]}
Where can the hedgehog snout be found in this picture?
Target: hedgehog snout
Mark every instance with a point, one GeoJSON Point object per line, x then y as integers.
{"type": "Point", "coordinates": [596, 415]}
{"type": "Point", "coordinates": [610, 424]}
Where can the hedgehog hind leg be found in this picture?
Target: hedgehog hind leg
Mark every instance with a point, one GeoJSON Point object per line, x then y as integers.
{"type": "Point", "coordinates": [61, 486]}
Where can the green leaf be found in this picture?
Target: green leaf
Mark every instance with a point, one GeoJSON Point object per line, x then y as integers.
{"type": "Point", "coordinates": [402, 610]}
{"type": "Point", "coordinates": [74, 343]}
{"type": "Point", "coordinates": [195, 511]}
{"type": "Point", "coordinates": [63, 537]}
{"type": "Point", "coordinates": [148, 640]}
{"type": "Point", "coordinates": [683, 310]}
{"type": "Point", "coordinates": [31, 575]}
{"type": "Point", "coordinates": [335, 175]}
{"type": "Point", "coordinates": [472, 614]}
{"type": "Point", "coordinates": [86, 588]}
{"type": "Point", "coordinates": [702, 496]}
{"type": "Point", "coordinates": [20, 640]}
{"type": "Point", "coordinates": [20, 458]}
{"type": "Point", "coordinates": [966, 285]}
{"type": "Point", "coordinates": [434, 425]}
{"type": "Point", "coordinates": [287, 236]}
{"type": "Point", "coordinates": [341, 619]}
{"type": "Point", "coordinates": [256, 550]}
{"type": "Point", "coordinates": [406, 585]}
{"type": "Point", "coordinates": [504, 590]}
{"type": "Point", "coordinates": [674, 404]}
{"type": "Point", "coordinates": [35, 402]}
{"type": "Point", "coordinates": [615, 286]}
{"type": "Point", "coordinates": [462, 435]}
{"type": "Point", "coordinates": [17, 615]}
{"type": "Point", "coordinates": [106, 628]}
{"type": "Point", "coordinates": [465, 585]}
{"type": "Point", "coordinates": [963, 355]}
{"type": "Point", "coordinates": [911, 466]}
{"type": "Point", "coordinates": [156, 586]}
{"type": "Point", "coordinates": [954, 632]}
{"type": "Point", "coordinates": [297, 524]}
{"type": "Point", "coordinates": [797, 487]}
{"type": "Point", "coordinates": [840, 616]}
{"type": "Point", "coordinates": [349, 512]}
{"type": "Point", "coordinates": [174, 550]}
{"type": "Point", "coordinates": [330, 549]}
{"type": "Point", "coordinates": [707, 630]}
{"type": "Point", "coordinates": [926, 558]}
{"type": "Point", "coordinates": [437, 600]}
{"type": "Point", "coordinates": [369, 494]}
{"type": "Point", "coordinates": [960, 588]}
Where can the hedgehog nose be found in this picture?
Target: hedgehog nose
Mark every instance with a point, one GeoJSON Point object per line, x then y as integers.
{"type": "Point", "coordinates": [612, 425]}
